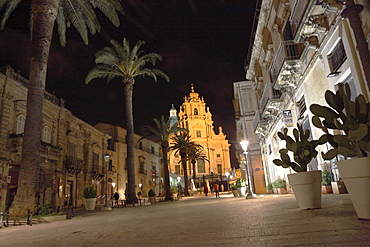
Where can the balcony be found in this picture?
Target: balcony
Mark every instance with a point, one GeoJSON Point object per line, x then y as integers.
{"type": "Point", "coordinates": [73, 165]}
{"type": "Point", "coordinates": [285, 71]}
{"type": "Point", "coordinates": [310, 17]}
{"type": "Point", "coordinates": [270, 97]}
{"type": "Point", "coordinates": [260, 125]}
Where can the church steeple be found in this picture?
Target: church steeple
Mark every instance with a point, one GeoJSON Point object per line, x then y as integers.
{"type": "Point", "coordinates": [173, 116]}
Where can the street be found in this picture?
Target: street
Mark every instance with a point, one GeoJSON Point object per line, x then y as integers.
{"type": "Point", "coordinates": [204, 221]}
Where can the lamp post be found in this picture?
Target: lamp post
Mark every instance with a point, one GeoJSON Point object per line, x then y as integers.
{"type": "Point", "coordinates": [250, 194]}
{"type": "Point", "coordinates": [106, 160]}
{"type": "Point", "coordinates": [227, 174]}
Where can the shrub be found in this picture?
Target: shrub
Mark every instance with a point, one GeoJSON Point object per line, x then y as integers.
{"type": "Point", "coordinates": [151, 193]}
{"type": "Point", "coordinates": [326, 179]}
{"type": "Point", "coordinates": [279, 183]}
{"type": "Point", "coordinates": [240, 183]}
{"type": "Point", "coordinates": [89, 192]}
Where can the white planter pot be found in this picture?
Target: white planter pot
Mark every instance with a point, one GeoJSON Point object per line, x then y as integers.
{"type": "Point", "coordinates": [152, 199]}
{"type": "Point", "coordinates": [89, 203]}
{"type": "Point", "coordinates": [355, 174]}
{"type": "Point", "coordinates": [241, 191]}
{"type": "Point", "coordinates": [307, 189]}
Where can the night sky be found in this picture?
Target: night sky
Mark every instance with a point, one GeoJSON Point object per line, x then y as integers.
{"type": "Point", "coordinates": [204, 42]}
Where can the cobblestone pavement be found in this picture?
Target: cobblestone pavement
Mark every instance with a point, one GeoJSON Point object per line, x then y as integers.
{"type": "Point", "coordinates": [204, 221]}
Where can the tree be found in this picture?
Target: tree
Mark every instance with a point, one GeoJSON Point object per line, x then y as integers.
{"type": "Point", "coordinates": [162, 131]}
{"type": "Point", "coordinates": [122, 61]}
{"type": "Point", "coordinates": [182, 145]}
{"type": "Point", "coordinates": [194, 155]}
{"type": "Point", "coordinates": [44, 14]}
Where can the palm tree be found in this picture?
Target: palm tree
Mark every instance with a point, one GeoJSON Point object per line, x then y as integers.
{"type": "Point", "coordinates": [162, 131]}
{"type": "Point", "coordinates": [44, 14]}
{"type": "Point", "coordinates": [194, 155]}
{"type": "Point", "coordinates": [182, 145]}
{"type": "Point", "coordinates": [122, 61]}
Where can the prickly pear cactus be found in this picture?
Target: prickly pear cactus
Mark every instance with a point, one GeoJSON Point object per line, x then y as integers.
{"type": "Point", "coordinates": [303, 150]}
{"type": "Point", "coordinates": [350, 120]}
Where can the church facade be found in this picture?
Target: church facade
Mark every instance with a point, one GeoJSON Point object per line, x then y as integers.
{"type": "Point", "coordinates": [195, 116]}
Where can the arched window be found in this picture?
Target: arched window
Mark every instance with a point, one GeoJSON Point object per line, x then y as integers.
{"type": "Point", "coordinates": [46, 134]}
{"type": "Point", "coordinates": [20, 124]}
{"type": "Point", "coordinates": [195, 111]}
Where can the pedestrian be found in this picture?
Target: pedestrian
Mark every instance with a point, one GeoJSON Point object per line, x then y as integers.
{"type": "Point", "coordinates": [216, 188]}
{"type": "Point", "coordinates": [116, 197]}
{"type": "Point", "coordinates": [205, 190]}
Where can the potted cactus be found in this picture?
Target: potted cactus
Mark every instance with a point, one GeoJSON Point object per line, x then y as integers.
{"type": "Point", "coordinates": [306, 184]}
{"type": "Point", "coordinates": [349, 120]}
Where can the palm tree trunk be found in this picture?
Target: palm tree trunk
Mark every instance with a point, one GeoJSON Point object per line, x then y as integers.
{"type": "Point", "coordinates": [128, 90]}
{"type": "Point", "coordinates": [166, 172]}
{"type": "Point", "coordinates": [194, 174]}
{"type": "Point", "coordinates": [184, 167]}
{"type": "Point", "coordinates": [44, 13]}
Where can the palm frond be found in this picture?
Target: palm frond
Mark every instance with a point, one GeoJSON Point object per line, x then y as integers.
{"type": "Point", "coordinates": [74, 15]}
{"type": "Point", "coordinates": [90, 18]}
{"type": "Point", "coordinates": [103, 72]}
{"type": "Point", "coordinates": [109, 10]}
{"type": "Point", "coordinates": [10, 6]}
{"type": "Point", "coordinates": [61, 23]}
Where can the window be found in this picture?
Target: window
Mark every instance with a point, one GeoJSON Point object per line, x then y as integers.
{"type": "Point", "coordinates": [219, 168]}
{"type": "Point", "coordinates": [95, 162]}
{"type": "Point", "coordinates": [201, 166]}
{"type": "Point", "coordinates": [142, 164]}
{"type": "Point", "coordinates": [351, 84]}
{"type": "Point", "coordinates": [218, 155]}
{"type": "Point", "coordinates": [199, 133]}
{"type": "Point", "coordinates": [46, 134]}
{"type": "Point", "coordinates": [141, 145]}
{"type": "Point", "coordinates": [152, 150]}
{"type": "Point", "coordinates": [337, 56]}
{"type": "Point", "coordinates": [301, 104]}
{"type": "Point", "coordinates": [195, 111]}
{"type": "Point", "coordinates": [20, 124]}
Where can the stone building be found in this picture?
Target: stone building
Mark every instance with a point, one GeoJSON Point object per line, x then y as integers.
{"type": "Point", "coordinates": [148, 172]}
{"type": "Point", "coordinates": [301, 49]}
{"type": "Point", "coordinates": [72, 151]}
{"type": "Point", "coordinates": [195, 116]}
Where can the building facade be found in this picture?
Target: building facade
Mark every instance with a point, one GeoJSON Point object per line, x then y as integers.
{"type": "Point", "coordinates": [195, 116]}
{"type": "Point", "coordinates": [72, 151]}
{"type": "Point", "coordinates": [301, 49]}
{"type": "Point", "coordinates": [148, 169]}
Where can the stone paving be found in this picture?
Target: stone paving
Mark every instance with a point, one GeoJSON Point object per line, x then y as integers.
{"type": "Point", "coordinates": [204, 221]}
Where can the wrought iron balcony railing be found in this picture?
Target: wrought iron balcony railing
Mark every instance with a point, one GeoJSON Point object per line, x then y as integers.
{"type": "Point", "coordinates": [288, 51]}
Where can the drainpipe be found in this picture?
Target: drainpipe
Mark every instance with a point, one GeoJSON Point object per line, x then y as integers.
{"type": "Point", "coordinates": [352, 12]}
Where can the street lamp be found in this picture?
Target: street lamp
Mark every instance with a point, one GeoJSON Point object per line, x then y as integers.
{"type": "Point", "coordinates": [106, 160]}
{"type": "Point", "coordinates": [244, 145]}
{"type": "Point", "coordinates": [228, 185]}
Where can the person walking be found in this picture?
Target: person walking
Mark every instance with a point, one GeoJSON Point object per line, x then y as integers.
{"type": "Point", "coordinates": [205, 190]}
{"type": "Point", "coordinates": [116, 197]}
{"type": "Point", "coordinates": [216, 189]}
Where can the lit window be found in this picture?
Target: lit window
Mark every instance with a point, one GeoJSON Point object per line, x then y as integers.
{"type": "Point", "coordinates": [20, 124]}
